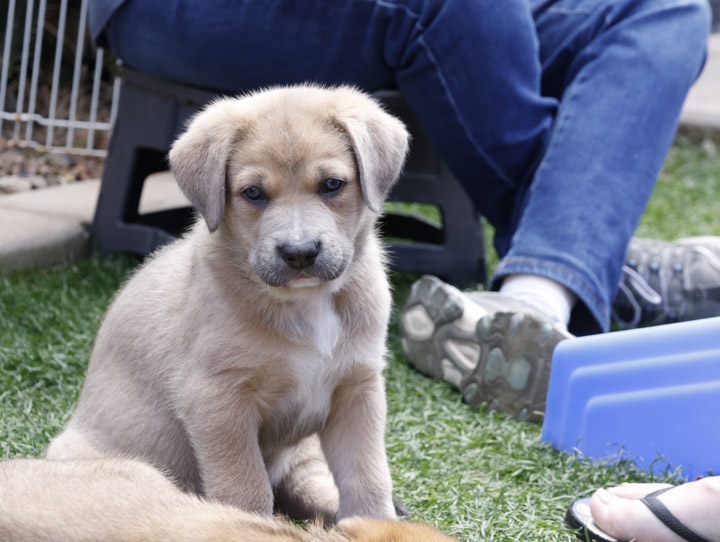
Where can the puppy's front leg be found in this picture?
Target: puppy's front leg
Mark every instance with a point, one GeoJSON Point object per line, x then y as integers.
{"type": "Point", "coordinates": [224, 435]}
{"type": "Point", "coordinates": [353, 441]}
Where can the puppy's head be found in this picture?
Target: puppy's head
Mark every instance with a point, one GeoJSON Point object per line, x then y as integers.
{"type": "Point", "coordinates": [292, 178]}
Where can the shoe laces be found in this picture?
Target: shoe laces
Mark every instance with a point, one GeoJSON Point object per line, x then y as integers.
{"type": "Point", "coordinates": [659, 302]}
{"type": "Point", "coordinates": [637, 292]}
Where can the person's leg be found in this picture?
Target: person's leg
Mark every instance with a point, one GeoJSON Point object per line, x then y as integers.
{"type": "Point", "coordinates": [621, 70]}
{"type": "Point", "coordinates": [619, 511]}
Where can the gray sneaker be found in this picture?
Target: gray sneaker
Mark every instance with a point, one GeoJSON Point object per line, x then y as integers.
{"type": "Point", "coordinates": [668, 281]}
{"type": "Point", "coordinates": [493, 348]}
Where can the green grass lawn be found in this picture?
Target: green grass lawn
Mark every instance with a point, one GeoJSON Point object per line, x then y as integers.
{"type": "Point", "coordinates": [478, 476]}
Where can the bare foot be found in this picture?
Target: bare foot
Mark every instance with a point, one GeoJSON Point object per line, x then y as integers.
{"type": "Point", "coordinates": [618, 511]}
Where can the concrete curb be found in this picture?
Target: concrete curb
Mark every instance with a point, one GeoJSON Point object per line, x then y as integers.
{"type": "Point", "coordinates": [46, 240]}
{"type": "Point", "coordinates": [702, 106]}
{"type": "Point", "coordinates": [49, 227]}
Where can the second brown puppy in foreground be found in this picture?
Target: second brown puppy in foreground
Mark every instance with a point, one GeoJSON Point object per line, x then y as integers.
{"type": "Point", "coordinates": [121, 500]}
{"type": "Point", "coordinates": [245, 359]}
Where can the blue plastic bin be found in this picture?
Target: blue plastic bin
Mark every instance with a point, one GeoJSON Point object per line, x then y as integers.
{"type": "Point", "coordinates": [650, 395]}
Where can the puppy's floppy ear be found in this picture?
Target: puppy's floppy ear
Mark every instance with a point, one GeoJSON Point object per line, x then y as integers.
{"type": "Point", "coordinates": [199, 157]}
{"type": "Point", "coordinates": [379, 141]}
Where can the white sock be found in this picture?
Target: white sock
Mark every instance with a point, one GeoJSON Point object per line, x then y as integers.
{"type": "Point", "coordinates": [549, 297]}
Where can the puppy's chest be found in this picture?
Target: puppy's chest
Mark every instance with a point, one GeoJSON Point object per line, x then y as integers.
{"type": "Point", "coordinates": [317, 326]}
{"type": "Point", "coordinates": [304, 407]}
{"type": "Point", "coordinates": [315, 368]}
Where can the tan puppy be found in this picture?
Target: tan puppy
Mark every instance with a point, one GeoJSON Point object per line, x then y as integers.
{"type": "Point", "coordinates": [247, 357]}
{"type": "Point", "coordinates": [120, 500]}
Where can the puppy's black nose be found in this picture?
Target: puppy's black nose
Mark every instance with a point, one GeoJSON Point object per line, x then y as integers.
{"type": "Point", "coordinates": [299, 255]}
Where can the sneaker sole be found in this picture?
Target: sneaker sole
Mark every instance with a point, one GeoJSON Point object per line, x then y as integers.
{"type": "Point", "coordinates": [500, 360]}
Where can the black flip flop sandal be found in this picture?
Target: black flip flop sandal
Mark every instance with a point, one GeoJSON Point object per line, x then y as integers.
{"type": "Point", "coordinates": [578, 517]}
{"type": "Point", "coordinates": [668, 518]}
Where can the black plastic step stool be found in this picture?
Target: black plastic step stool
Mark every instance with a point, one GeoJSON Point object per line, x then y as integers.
{"type": "Point", "coordinates": [151, 114]}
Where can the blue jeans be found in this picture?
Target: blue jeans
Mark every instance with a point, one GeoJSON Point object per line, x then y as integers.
{"type": "Point", "coordinates": [556, 115]}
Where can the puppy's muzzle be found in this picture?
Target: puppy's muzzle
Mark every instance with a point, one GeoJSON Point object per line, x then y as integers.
{"type": "Point", "coordinates": [286, 260]}
{"type": "Point", "coordinates": [299, 255]}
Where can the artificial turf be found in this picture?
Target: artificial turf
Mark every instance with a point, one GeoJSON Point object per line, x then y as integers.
{"type": "Point", "coordinates": [476, 475]}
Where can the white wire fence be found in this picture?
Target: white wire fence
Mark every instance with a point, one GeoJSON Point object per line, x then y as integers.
{"type": "Point", "coordinates": [57, 92]}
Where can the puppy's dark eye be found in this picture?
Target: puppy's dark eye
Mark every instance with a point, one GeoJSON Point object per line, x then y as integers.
{"type": "Point", "coordinates": [331, 186]}
{"type": "Point", "coordinates": [254, 195]}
